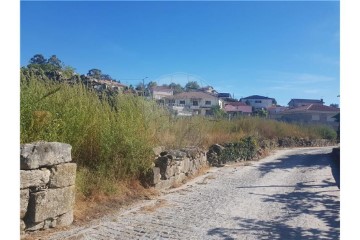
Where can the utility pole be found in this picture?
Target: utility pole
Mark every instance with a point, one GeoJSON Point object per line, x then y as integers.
{"type": "Point", "coordinates": [143, 80]}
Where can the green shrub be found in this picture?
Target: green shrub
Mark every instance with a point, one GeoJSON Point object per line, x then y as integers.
{"type": "Point", "coordinates": [244, 149]}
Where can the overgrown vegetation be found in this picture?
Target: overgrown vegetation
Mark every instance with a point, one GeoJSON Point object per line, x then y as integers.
{"type": "Point", "coordinates": [112, 141]}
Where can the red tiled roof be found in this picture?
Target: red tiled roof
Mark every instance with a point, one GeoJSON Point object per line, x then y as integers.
{"type": "Point", "coordinates": [194, 95]}
{"type": "Point", "coordinates": [161, 88]}
{"type": "Point", "coordinates": [245, 109]}
{"type": "Point", "coordinates": [314, 107]}
{"type": "Point", "coordinates": [235, 103]}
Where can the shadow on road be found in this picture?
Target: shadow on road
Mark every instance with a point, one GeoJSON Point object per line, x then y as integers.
{"type": "Point", "coordinates": [313, 161]}
{"type": "Point", "coordinates": [321, 204]}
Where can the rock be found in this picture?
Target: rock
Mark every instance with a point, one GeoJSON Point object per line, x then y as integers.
{"type": "Point", "coordinates": [163, 153]}
{"type": "Point", "coordinates": [186, 165]}
{"type": "Point", "coordinates": [177, 154]}
{"type": "Point", "coordinates": [39, 154]}
{"type": "Point", "coordinates": [180, 178]}
{"type": "Point", "coordinates": [34, 226]}
{"type": "Point", "coordinates": [24, 201]}
{"type": "Point", "coordinates": [156, 175]}
{"type": "Point", "coordinates": [65, 220]}
{"type": "Point", "coordinates": [170, 171]}
{"type": "Point", "coordinates": [217, 149]}
{"type": "Point", "coordinates": [191, 152]}
{"type": "Point", "coordinates": [158, 150]}
{"type": "Point", "coordinates": [50, 203]}
{"type": "Point", "coordinates": [49, 223]}
{"type": "Point", "coordinates": [162, 163]}
{"type": "Point", "coordinates": [62, 175]}
{"type": "Point", "coordinates": [34, 178]}
{"type": "Point", "coordinates": [22, 225]}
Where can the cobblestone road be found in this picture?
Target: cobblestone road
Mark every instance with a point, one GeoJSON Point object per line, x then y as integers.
{"type": "Point", "coordinates": [291, 194]}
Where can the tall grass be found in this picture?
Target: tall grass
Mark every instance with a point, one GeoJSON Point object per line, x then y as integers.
{"type": "Point", "coordinates": [204, 132]}
{"type": "Point", "coordinates": [113, 142]}
{"type": "Point", "coordinates": [107, 144]}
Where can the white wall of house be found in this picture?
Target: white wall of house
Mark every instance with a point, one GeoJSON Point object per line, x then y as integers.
{"type": "Point", "coordinates": [258, 103]}
{"type": "Point", "coordinates": [199, 102]}
{"type": "Point", "coordinates": [161, 94]}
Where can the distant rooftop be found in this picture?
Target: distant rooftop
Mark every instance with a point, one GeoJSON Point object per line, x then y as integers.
{"type": "Point", "coordinates": [314, 107]}
{"type": "Point", "coordinates": [224, 95]}
{"type": "Point", "coordinates": [161, 88]}
{"type": "Point", "coordinates": [256, 97]}
{"type": "Point", "coordinates": [187, 95]}
{"type": "Point", "coordinates": [235, 103]}
{"type": "Point", "coordinates": [310, 101]}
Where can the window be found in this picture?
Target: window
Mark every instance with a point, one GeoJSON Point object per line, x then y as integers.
{"type": "Point", "coordinates": [195, 103]}
{"type": "Point", "coordinates": [182, 102]}
{"type": "Point", "coordinates": [315, 117]}
{"type": "Point", "coordinates": [257, 101]}
{"type": "Point", "coordinates": [207, 102]}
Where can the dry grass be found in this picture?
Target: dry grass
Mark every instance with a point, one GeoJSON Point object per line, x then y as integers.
{"type": "Point", "coordinates": [100, 204]}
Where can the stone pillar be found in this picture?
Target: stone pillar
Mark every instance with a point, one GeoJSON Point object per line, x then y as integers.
{"type": "Point", "coordinates": [47, 185]}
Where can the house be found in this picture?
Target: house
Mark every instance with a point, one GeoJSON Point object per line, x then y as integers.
{"type": "Point", "coordinates": [313, 113]}
{"type": "Point", "coordinates": [258, 102]}
{"type": "Point", "coordinates": [194, 103]}
{"type": "Point", "coordinates": [237, 109]}
{"type": "Point", "coordinates": [295, 102]}
{"type": "Point", "coordinates": [160, 92]}
{"type": "Point", "coordinates": [226, 97]}
{"type": "Point", "coordinates": [274, 111]}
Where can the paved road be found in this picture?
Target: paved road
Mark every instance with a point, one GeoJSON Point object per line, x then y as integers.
{"type": "Point", "coordinates": [291, 194]}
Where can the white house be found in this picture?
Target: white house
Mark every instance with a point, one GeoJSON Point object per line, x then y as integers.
{"type": "Point", "coordinates": [159, 92]}
{"type": "Point", "coordinates": [196, 103]}
{"type": "Point", "coordinates": [258, 102]}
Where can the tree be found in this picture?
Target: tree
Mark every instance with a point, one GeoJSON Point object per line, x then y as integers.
{"type": "Point", "coordinates": [55, 62]}
{"type": "Point", "coordinates": [192, 85]}
{"type": "Point", "coordinates": [95, 73]}
{"type": "Point", "coordinates": [262, 113]}
{"type": "Point", "coordinates": [177, 88]}
{"type": "Point", "coordinates": [140, 86]}
{"type": "Point", "coordinates": [218, 112]}
{"type": "Point", "coordinates": [151, 84]}
{"type": "Point", "coordinates": [105, 77]}
{"type": "Point", "coordinates": [334, 105]}
{"type": "Point", "coordinates": [38, 59]}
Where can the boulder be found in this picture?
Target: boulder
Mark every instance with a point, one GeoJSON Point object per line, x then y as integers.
{"type": "Point", "coordinates": [62, 175]}
{"type": "Point", "coordinates": [39, 154]}
{"type": "Point", "coordinates": [24, 201]}
{"type": "Point", "coordinates": [31, 226]}
{"type": "Point", "coordinates": [65, 219]}
{"type": "Point", "coordinates": [34, 178]}
{"type": "Point", "coordinates": [50, 203]}
{"type": "Point", "coordinates": [22, 225]}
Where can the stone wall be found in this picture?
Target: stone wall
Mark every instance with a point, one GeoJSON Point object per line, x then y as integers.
{"type": "Point", "coordinates": [47, 185]}
{"type": "Point", "coordinates": [172, 167]}
{"type": "Point", "coordinates": [252, 149]}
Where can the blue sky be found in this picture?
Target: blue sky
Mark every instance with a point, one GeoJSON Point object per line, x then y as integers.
{"type": "Point", "coordinates": [280, 49]}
